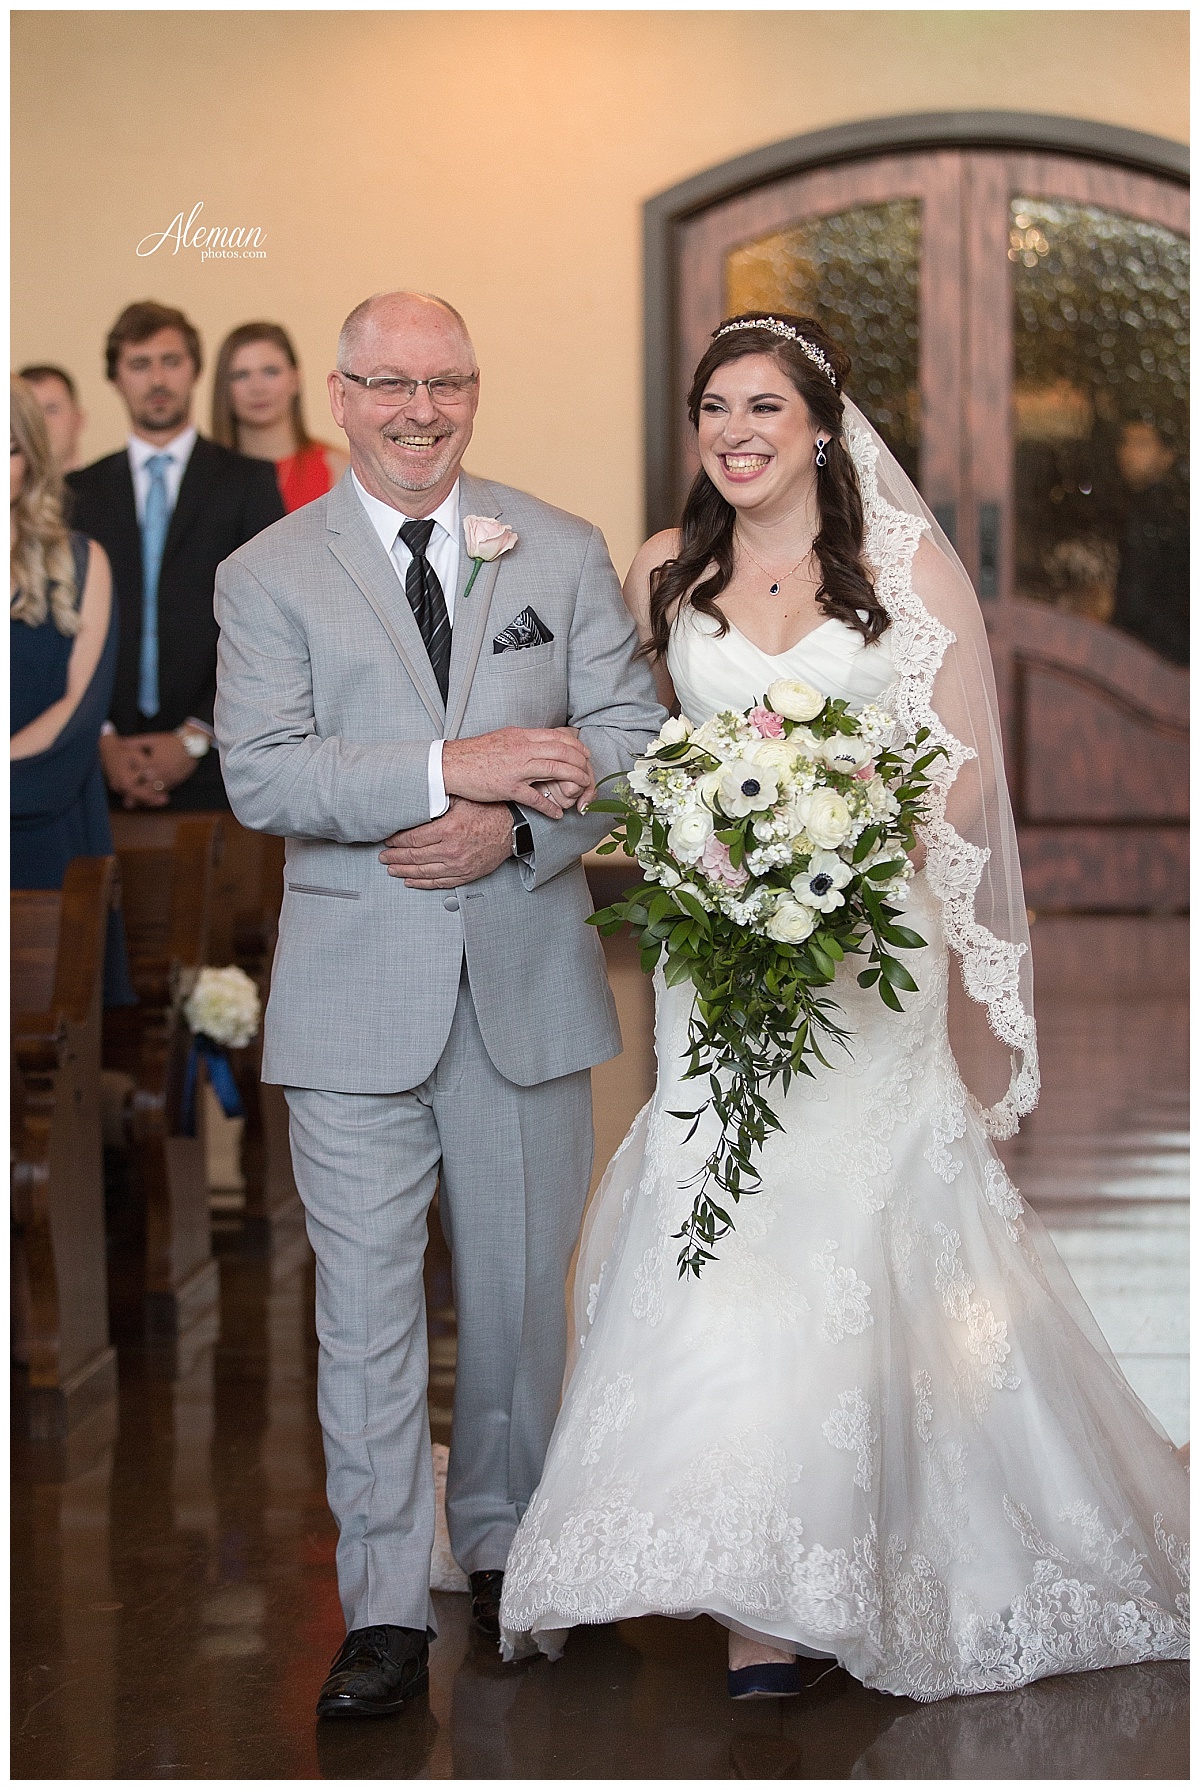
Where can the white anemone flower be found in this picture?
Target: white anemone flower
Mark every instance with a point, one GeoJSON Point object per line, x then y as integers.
{"type": "Point", "coordinates": [746, 787]}
{"type": "Point", "coordinates": [821, 885]}
{"type": "Point", "coordinates": [846, 753]}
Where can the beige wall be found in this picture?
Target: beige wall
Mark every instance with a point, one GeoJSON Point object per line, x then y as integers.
{"type": "Point", "coordinates": [499, 158]}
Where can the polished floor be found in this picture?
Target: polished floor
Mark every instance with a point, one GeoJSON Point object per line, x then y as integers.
{"type": "Point", "coordinates": [174, 1597]}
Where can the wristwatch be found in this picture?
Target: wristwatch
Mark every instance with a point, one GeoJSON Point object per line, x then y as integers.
{"type": "Point", "coordinates": [522, 833]}
{"type": "Point", "coordinates": [194, 743]}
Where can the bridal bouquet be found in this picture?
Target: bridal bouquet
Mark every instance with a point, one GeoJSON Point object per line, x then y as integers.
{"type": "Point", "coordinates": [772, 844]}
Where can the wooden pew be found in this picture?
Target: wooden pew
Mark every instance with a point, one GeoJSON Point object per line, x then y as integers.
{"type": "Point", "coordinates": [168, 864]}
{"type": "Point", "coordinates": [60, 1285]}
{"type": "Point", "coordinates": [247, 892]}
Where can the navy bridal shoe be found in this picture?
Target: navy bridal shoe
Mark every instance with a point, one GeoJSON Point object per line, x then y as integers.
{"type": "Point", "coordinates": [771, 1679]}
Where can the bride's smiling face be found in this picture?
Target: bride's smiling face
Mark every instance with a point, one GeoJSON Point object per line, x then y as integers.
{"type": "Point", "coordinates": [757, 439]}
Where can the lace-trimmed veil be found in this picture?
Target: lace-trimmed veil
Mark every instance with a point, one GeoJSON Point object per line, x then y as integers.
{"type": "Point", "coordinates": [946, 683]}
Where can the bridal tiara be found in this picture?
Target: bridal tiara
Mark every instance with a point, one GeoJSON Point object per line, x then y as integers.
{"type": "Point", "coordinates": [778, 328]}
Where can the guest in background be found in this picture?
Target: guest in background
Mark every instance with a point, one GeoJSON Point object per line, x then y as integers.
{"type": "Point", "coordinates": [257, 410]}
{"type": "Point", "coordinates": [65, 421]}
{"type": "Point", "coordinates": [1152, 578]}
{"type": "Point", "coordinates": [168, 508]}
{"type": "Point", "coordinates": [62, 658]}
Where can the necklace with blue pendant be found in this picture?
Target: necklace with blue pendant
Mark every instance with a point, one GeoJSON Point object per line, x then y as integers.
{"type": "Point", "coordinates": [783, 578]}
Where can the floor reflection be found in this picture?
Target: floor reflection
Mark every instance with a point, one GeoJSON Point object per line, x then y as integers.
{"type": "Point", "coordinates": [175, 1603]}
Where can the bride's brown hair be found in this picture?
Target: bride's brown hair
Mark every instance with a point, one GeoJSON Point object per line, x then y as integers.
{"type": "Point", "coordinates": [707, 524]}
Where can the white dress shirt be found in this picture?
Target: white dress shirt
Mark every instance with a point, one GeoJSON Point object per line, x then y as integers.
{"type": "Point", "coordinates": [443, 555]}
{"type": "Point", "coordinates": [142, 452]}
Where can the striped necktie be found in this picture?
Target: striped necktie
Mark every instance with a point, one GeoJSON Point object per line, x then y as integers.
{"type": "Point", "coordinates": [425, 598]}
{"type": "Point", "coordinates": [156, 517]}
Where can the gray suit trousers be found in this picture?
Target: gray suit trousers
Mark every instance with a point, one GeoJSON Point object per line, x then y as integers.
{"type": "Point", "coordinates": [514, 1165]}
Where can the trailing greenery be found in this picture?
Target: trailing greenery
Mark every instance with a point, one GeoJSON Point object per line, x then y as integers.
{"type": "Point", "coordinates": [763, 1012]}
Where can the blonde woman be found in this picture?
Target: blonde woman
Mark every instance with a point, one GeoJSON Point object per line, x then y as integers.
{"type": "Point", "coordinates": [63, 655]}
{"type": "Point", "coordinates": [256, 410]}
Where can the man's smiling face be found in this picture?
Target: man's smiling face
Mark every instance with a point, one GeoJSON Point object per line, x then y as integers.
{"type": "Point", "coordinates": [406, 452]}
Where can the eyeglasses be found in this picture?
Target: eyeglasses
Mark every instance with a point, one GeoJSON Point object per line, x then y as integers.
{"type": "Point", "coordinates": [393, 390]}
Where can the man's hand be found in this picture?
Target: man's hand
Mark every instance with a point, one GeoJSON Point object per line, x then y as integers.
{"type": "Point", "coordinates": [167, 760]}
{"type": "Point", "coordinates": [469, 841]}
{"type": "Point", "coordinates": [143, 768]}
{"type": "Point", "coordinates": [507, 766]}
{"type": "Point", "coordinates": [567, 795]}
{"type": "Point", "coordinates": [127, 771]}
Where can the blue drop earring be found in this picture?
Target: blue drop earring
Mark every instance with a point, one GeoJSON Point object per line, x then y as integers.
{"type": "Point", "coordinates": [822, 458]}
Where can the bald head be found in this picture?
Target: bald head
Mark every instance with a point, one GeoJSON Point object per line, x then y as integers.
{"type": "Point", "coordinates": [395, 315]}
{"type": "Point", "coordinates": [405, 446]}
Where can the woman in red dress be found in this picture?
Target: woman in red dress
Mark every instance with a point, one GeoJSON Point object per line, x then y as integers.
{"type": "Point", "coordinates": [256, 410]}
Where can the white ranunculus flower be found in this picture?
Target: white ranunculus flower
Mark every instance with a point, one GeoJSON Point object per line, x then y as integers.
{"type": "Point", "coordinates": [689, 835]}
{"type": "Point", "coordinates": [878, 794]}
{"type": "Point", "coordinates": [821, 885]}
{"type": "Point", "coordinates": [745, 787]}
{"type": "Point", "coordinates": [826, 817]}
{"type": "Point", "coordinates": [677, 728]}
{"type": "Point", "coordinates": [846, 753]}
{"type": "Point", "coordinates": [795, 700]}
{"type": "Point", "coordinates": [708, 787]}
{"type": "Point", "coordinates": [791, 922]}
{"type": "Point", "coordinates": [804, 742]}
{"type": "Point", "coordinates": [224, 1005]}
{"type": "Point", "coordinates": [776, 755]}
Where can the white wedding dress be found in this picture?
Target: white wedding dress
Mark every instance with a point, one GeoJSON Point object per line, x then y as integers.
{"type": "Point", "coordinates": [882, 1425]}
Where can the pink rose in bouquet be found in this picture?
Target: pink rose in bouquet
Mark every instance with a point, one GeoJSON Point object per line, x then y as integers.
{"type": "Point", "coordinates": [766, 723]}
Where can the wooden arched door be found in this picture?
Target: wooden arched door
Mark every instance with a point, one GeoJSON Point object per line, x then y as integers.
{"type": "Point", "coordinates": [1018, 322]}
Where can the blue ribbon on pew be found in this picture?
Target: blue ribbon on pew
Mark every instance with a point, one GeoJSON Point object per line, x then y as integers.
{"type": "Point", "coordinates": [220, 1076]}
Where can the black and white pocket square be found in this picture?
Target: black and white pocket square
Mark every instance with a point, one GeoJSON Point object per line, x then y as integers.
{"type": "Point", "coordinates": [526, 629]}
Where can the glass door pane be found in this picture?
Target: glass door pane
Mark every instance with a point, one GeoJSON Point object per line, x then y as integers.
{"type": "Point", "coordinates": [858, 272]}
{"type": "Point", "coordinates": [1100, 401]}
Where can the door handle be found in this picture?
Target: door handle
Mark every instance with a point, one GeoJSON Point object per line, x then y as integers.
{"type": "Point", "coordinates": [989, 551]}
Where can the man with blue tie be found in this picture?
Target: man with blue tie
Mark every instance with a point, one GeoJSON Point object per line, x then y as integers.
{"type": "Point", "coordinates": [167, 509]}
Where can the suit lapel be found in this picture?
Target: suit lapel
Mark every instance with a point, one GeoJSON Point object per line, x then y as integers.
{"type": "Point", "coordinates": [475, 498]}
{"type": "Point", "coordinates": [125, 551]}
{"type": "Point", "coordinates": [124, 512]}
{"type": "Point", "coordinates": [357, 549]}
{"type": "Point", "coordinates": [197, 480]}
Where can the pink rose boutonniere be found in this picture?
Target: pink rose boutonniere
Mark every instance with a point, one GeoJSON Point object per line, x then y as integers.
{"type": "Point", "coordinates": [486, 539]}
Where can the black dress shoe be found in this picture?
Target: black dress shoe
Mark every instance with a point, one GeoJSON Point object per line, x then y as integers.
{"type": "Point", "coordinates": [485, 1603]}
{"type": "Point", "coordinates": [376, 1671]}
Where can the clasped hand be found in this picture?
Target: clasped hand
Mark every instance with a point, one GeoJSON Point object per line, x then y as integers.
{"type": "Point", "coordinates": [548, 769]}
{"type": "Point", "coordinates": [144, 768]}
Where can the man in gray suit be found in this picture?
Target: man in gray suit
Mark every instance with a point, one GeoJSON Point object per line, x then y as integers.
{"type": "Point", "coordinates": [417, 722]}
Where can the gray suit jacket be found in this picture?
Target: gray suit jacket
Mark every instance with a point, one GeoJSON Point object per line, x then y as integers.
{"type": "Point", "coordinates": [326, 705]}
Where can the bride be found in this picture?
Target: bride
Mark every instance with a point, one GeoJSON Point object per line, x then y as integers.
{"type": "Point", "coordinates": [882, 1428]}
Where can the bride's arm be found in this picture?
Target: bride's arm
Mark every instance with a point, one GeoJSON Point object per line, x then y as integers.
{"type": "Point", "coordinates": [636, 591]}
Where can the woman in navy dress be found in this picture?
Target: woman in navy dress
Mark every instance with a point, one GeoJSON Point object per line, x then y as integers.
{"type": "Point", "coordinates": [63, 655]}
